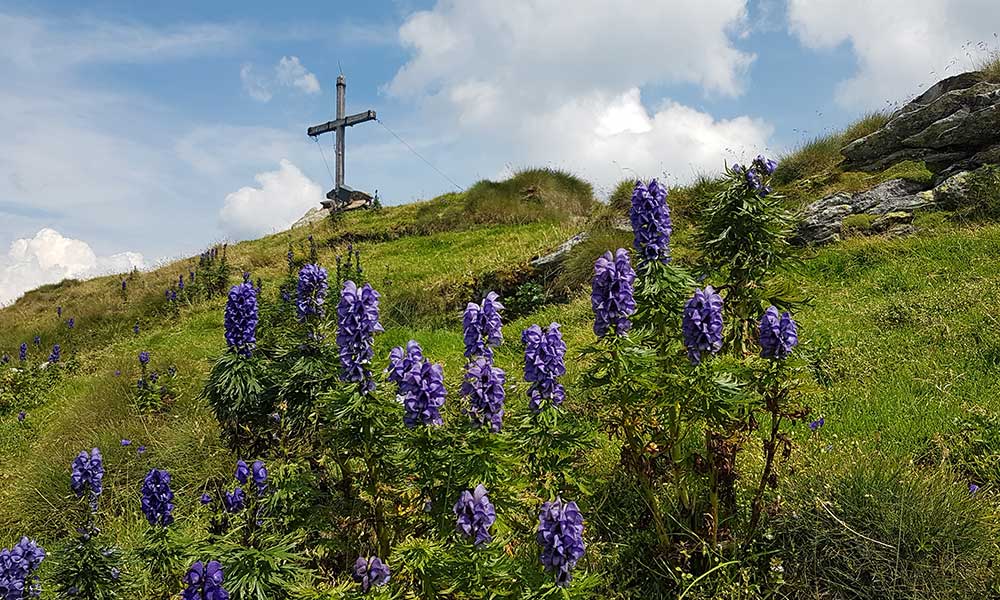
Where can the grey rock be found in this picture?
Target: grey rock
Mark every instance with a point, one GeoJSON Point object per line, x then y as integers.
{"type": "Point", "coordinates": [313, 215]}
{"type": "Point", "coordinates": [892, 221]}
{"type": "Point", "coordinates": [559, 254]}
{"type": "Point", "coordinates": [954, 122]}
{"type": "Point", "coordinates": [821, 221]}
{"type": "Point", "coordinates": [949, 194]}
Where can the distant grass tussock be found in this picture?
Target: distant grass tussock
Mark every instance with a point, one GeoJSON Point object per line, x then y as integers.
{"type": "Point", "coordinates": [530, 195]}
{"type": "Point", "coordinates": [823, 153]}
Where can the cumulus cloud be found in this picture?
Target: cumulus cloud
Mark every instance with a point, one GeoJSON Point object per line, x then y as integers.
{"type": "Point", "coordinates": [902, 46]}
{"type": "Point", "coordinates": [281, 197]}
{"type": "Point", "coordinates": [50, 257]}
{"type": "Point", "coordinates": [288, 73]}
{"type": "Point", "coordinates": [552, 82]}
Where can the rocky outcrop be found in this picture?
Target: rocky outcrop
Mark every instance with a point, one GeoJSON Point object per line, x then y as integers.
{"type": "Point", "coordinates": [313, 215]}
{"type": "Point", "coordinates": [953, 126]}
{"type": "Point", "coordinates": [554, 258]}
{"type": "Point", "coordinates": [821, 221]}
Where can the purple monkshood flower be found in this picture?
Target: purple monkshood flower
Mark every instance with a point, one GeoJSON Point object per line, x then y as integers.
{"type": "Point", "coordinates": [140, 450]}
{"type": "Point", "coordinates": [651, 223]}
{"type": "Point", "coordinates": [482, 327]}
{"type": "Point", "coordinates": [22, 353]}
{"type": "Point", "coordinates": [484, 389]}
{"type": "Point", "coordinates": [241, 319]}
{"type": "Point", "coordinates": [38, 340]}
{"type": "Point", "coordinates": [544, 364]}
{"type": "Point", "coordinates": [118, 372]}
{"type": "Point", "coordinates": [611, 293]}
{"type": "Point", "coordinates": [126, 443]}
{"type": "Point", "coordinates": [778, 334]}
{"type": "Point", "coordinates": [259, 474]}
{"type": "Point", "coordinates": [144, 358]}
{"type": "Point", "coordinates": [87, 475]}
{"type": "Point", "coordinates": [124, 285]}
{"type": "Point", "coordinates": [702, 324]}
{"type": "Point", "coordinates": [205, 498]}
{"type": "Point", "coordinates": [765, 165]}
{"type": "Point", "coordinates": [154, 377]}
{"type": "Point", "coordinates": [311, 291]}
{"type": "Point", "coordinates": [474, 515]}
{"type": "Point", "coordinates": [205, 582]}
{"type": "Point", "coordinates": [135, 328]}
{"type": "Point", "coordinates": [157, 498]}
{"type": "Point", "coordinates": [234, 501]}
{"type": "Point", "coordinates": [560, 534]}
{"type": "Point", "coordinates": [242, 472]}
{"type": "Point", "coordinates": [973, 488]}
{"type": "Point", "coordinates": [172, 294]}
{"type": "Point", "coordinates": [180, 282]}
{"type": "Point", "coordinates": [59, 311]}
{"type": "Point", "coordinates": [56, 353]}
{"type": "Point", "coordinates": [423, 395]}
{"type": "Point", "coordinates": [401, 361]}
{"type": "Point", "coordinates": [4, 359]}
{"type": "Point", "coordinates": [815, 425]}
{"type": "Point", "coordinates": [71, 323]}
{"type": "Point", "coordinates": [357, 322]}
{"type": "Point", "coordinates": [17, 570]}
{"type": "Point", "coordinates": [370, 572]}
{"type": "Point", "coordinates": [21, 416]}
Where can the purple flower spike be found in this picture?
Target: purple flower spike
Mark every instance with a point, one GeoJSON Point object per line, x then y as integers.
{"type": "Point", "coordinates": [157, 498]}
{"type": "Point", "coordinates": [423, 395]}
{"type": "Point", "coordinates": [241, 319]}
{"type": "Point", "coordinates": [482, 326]}
{"type": "Point", "coordinates": [483, 387]}
{"type": "Point", "coordinates": [144, 358]}
{"type": "Point", "coordinates": [651, 223]}
{"type": "Point", "coordinates": [815, 425]}
{"type": "Point", "coordinates": [357, 322]}
{"type": "Point", "coordinates": [702, 324]}
{"type": "Point", "coordinates": [311, 291]}
{"type": "Point", "coordinates": [475, 515]}
{"type": "Point", "coordinates": [544, 364]}
{"type": "Point", "coordinates": [611, 293]}
{"type": "Point", "coordinates": [242, 472]}
{"type": "Point", "coordinates": [205, 498]}
{"type": "Point", "coordinates": [402, 361]}
{"type": "Point", "coordinates": [22, 353]}
{"type": "Point", "coordinates": [560, 534]}
{"type": "Point", "coordinates": [778, 334]}
{"type": "Point", "coordinates": [370, 572]}
{"type": "Point", "coordinates": [87, 475]}
{"type": "Point", "coordinates": [259, 474]}
{"type": "Point", "coordinates": [56, 354]}
{"type": "Point", "coordinates": [205, 582]}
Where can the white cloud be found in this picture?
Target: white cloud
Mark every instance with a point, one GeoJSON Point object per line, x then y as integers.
{"type": "Point", "coordinates": [562, 82]}
{"type": "Point", "coordinates": [49, 257]}
{"type": "Point", "coordinates": [281, 197]}
{"type": "Point", "coordinates": [288, 73]}
{"type": "Point", "coordinates": [902, 46]}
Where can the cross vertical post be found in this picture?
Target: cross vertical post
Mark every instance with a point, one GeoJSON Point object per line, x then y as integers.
{"type": "Point", "coordinates": [341, 195]}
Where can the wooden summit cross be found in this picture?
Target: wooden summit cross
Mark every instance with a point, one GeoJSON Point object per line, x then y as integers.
{"type": "Point", "coordinates": [342, 196]}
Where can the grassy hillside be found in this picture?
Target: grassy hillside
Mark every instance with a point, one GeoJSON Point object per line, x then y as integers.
{"type": "Point", "coordinates": [902, 338]}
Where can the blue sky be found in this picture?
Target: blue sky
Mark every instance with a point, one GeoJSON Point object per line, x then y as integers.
{"type": "Point", "coordinates": [140, 131]}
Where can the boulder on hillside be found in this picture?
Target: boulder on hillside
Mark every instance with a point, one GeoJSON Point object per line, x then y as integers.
{"type": "Point", "coordinates": [821, 221]}
{"type": "Point", "coordinates": [952, 126]}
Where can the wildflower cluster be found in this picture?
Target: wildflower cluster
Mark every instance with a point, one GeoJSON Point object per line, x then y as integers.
{"type": "Point", "coordinates": [370, 572]}
{"type": "Point", "coordinates": [56, 354]}
{"type": "Point", "coordinates": [17, 570]}
{"type": "Point", "coordinates": [778, 334]}
{"type": "Point", "coordinates": [651, 223]}
{"type": "Point", "coordinates": [241, 319]}
{"type": "Point", "coordinates": [560, 534]}
{"type": "Point", "coordinates": [757, 173]}
{"type": "Point", "coordinates": [401, 361]}
{"type": "Point", "coordinates": [357, 322]}
{"type": "Point", "coordinates": [205, 582]}
{"type": "Point", "coordinates": [544, 364]}
{"type": "Point", "coordinates": [483, 387]}
{"type": "Point", "coordinates": [88, 475]}
{"type": "Point", "coordinates": [611, 294]}
{"type": "Point", "coordinates": [482, 327]}
{"type": "Point", "coordinates": [423, 395]}
{"type": "Point", "coordinates": [157, 498]}
{"type": "Point", "coordinates": [475, 515]}
{"type": "Point", "coordinates": [702, 324]}
{"type": "Point", "coordinates": [311, 291]}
